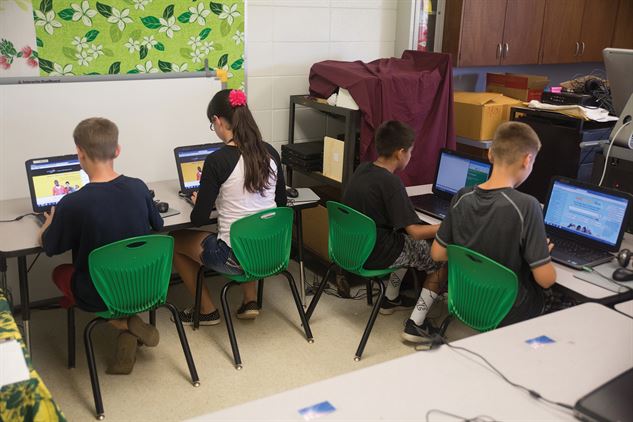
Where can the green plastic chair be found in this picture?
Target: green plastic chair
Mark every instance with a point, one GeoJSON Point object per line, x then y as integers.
{"type": "Point", "coordinates": [261, 243]}
{"type": "Point", "coordinates": [481, 291]}
{"type": "Point", "coordinates": [351, 238]}
{"type": "Point", "coordinates": [131, 276]}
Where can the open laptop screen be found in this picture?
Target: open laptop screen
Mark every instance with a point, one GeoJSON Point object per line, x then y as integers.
{"type": "Point", "coordinates": [50, 179]}
{"type": "Point", "coordinates": [190, 161]}
{"type": "Point", "coordinates": [586, 212]}
{"type": "Point", "coordinates": [456, 172]}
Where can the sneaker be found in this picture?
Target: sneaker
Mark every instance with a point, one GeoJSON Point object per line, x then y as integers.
{"type": "Point", "coordinates": [401, 303]}
{"type": "Point", "coordinates": [415, 333]}
{"type": "Point", "coordinates": [248, 310]}
{"type": "Point", "coordinates": [186, 316]}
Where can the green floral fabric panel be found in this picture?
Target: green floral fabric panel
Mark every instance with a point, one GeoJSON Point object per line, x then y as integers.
{"type": "Point", "coordinates": [29, 400]}
{"type": "Point", "coordinates": [81, 37]}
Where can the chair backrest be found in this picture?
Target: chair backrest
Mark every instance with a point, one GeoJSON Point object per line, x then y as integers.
{"type": "Point", "coordinates": [351, 237]}
{"type": "Point", "coordinates": [132, 275]}
{"type": "Point", "coordinates": [481, 291]}
{"type": "Point", "coordinates": [261, 242]}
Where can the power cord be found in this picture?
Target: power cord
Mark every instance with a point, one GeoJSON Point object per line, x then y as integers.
{"type": "Point", "coordinates": [606, 158]}
{"type": "Point", "coordinates": [617, 283]}
{"type": "Point", "coordinates": [33, 262]}
{"type": "Point", "coordinates": [478, 418]}
{"type": "Point", "coordinates": [18, 218]}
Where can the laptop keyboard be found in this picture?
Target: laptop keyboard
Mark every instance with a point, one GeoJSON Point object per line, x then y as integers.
{"type": "Point", "coordinates": [565, 249]}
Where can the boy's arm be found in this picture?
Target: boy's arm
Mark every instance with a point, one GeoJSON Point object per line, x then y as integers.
{"type": "Point", "coordinates": [47, 223]}
{"type": "Point", "coordinates": [422, 231]}
{"type": "Point", "coordinates": [56, 236]}
{"type": "Point", "coordinates": [536, 247]}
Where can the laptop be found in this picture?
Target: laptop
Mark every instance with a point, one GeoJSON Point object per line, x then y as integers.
{"type": "Point", "coordinates": [585, 222]}
{"type": "Point", "coordinates": [454, 171]}
{"type": "Point", "coordinates": [50, 179]}
{"type": "Point", "coordinates": [609, 402]}
{"type": "Point", "coordinates": [189, 162]}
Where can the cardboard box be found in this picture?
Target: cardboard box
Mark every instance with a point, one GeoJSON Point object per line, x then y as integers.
{"type": "Point", "coordinates": [477, 114]}
{"type": "Point", "coordinates": [315, 231]}
{"type": "Point", "coordinates": [333, 151]}
{"type": "Point", "coordinates": [514, 85]}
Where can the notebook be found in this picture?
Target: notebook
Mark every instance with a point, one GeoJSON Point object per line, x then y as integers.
{"type": "Point", "coordinates": [585, 222]}
{"type": "Point", "coordinates": [609, 402]}
{"type": "Point", "coordinates": [189, 162]}
{"type": "Point", "coordinates": [454, 171]}
{"type": "Point", "coordinates": [51, 178]}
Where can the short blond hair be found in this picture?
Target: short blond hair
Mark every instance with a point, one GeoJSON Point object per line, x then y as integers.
{"type": "Point", "coordinates": [98, 138]}
{"type": "Point", "coordinates": [512, 141]}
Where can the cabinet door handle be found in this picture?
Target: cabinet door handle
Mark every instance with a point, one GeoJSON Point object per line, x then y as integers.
{"type": "Point", "coordinates": [577, 48]}
{"type": "Point", "coordinates": [582, 51]}
{"type": "Point", "coordinates": [498, 50]}
{"type": "Point", "coordinates": [506, 49]}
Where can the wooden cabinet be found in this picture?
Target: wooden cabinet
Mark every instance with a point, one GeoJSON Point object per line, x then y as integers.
{"type": "Point", "coordinates": [481, 33]}
{"type": "Point", "coordinates": [522, 32]}
{"type": "Point", "coordinates": [623, 31]}
{"type": "Point", "coordinates": [560, 42]}
{"type": "Point", "coordinates": [595, 36]}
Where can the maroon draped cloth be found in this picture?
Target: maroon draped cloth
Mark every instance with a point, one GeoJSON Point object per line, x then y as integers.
{"type": "Point", "coordinates": [416, 89]}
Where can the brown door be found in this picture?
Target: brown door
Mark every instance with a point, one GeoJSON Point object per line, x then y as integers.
{"type": "Point", "coordinates": [482, 31]}
{"type": "Point", "coordinates": [597, 29]}
{"type": "Point", "coordinates": [623, 31]}
{"type": "Point", "coordinates": [560, 42]}
{"type": "Point", "coordinates": [522, 31]}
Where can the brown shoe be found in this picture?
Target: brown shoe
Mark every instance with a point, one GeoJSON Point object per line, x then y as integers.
{"type": "Point", "coordinates": [125, 355]}
{"type": "Point", "coordinates": [147, 333]}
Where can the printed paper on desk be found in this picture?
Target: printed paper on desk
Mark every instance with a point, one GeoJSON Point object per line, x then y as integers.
{"type": "Point", "coordinates": [12, 364]}
{"type": "Point", "coordinates": [316, 411]}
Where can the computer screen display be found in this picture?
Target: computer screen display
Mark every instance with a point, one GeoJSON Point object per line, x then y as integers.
{"type": "Point", "coordinates": [52, 179]}
{"type": "Point", "coordinates": [595, 215]}
{"type": "Point", "coordinates": [191, 162]}
{"type": "Point", "coordinates": [456, 172]}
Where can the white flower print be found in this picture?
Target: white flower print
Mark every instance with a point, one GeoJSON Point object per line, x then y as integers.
{"type": "Point", "coordinates": [83, 58]}
{"type": "Point", "coordinates": [229, 13]}
{"type": "Point", "coordinates": [147, 68]}
{"type": "Point", "coordinates": [197, 56]}
{"type": "Point", "coordinates": [225, 68]}
{"type": "Point", "coordinates": [181, 68]}
{"type": "Point", "coordinates": [121, 18]}
{"type": "Point", "coordinates": [238, 37]}
{"type": "Point", "coordinates": [62, 71]}
{"type": "Point", "coordinates": [199, 14]}
{"type": "Point", "coordinates": [132, 45]}
{"type": "Point", "coordinates": [207, 47]}
{"type": "Point", "coordinates": [96, 50]}
{"type": "Point", "coordinates": [169, 26]}
{"type": "Point", "coordinates": [149, 42]}
{"type": "Point", "coordinates": [194, 42]}
{"type": "Point", "coordinates": [140, 4]}
{"type": "Point", "coordinates": [47, 21]}
{"type": "Point", "coordinates": [83, 12]}
{"type": "Point", "coordinates": [80, 43]}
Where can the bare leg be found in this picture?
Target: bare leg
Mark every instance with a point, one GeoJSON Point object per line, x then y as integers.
{"type": "Point", "coordinates": [436, 281]}
{"type": "Point", "coordinates": [119, 324]}
{"type": "Point", "coordinates": [250, 291]}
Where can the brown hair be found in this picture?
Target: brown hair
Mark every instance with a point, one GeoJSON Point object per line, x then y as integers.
{"type": "Point", "coordinates": [392, 136]}
{"type": "Point", "coordinates": [247, 137]}
{"type": "Point", "coordinates": [98, 138]}
{"type": "Point", "coordinates": [512, 141]}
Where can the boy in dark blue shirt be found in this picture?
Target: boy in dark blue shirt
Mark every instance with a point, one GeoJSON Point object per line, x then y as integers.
{"type": "Point", "coordinates": [111, 207]}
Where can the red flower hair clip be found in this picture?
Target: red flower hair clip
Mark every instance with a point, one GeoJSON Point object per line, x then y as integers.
{"type": "Point", "coordinates": [237, 98]}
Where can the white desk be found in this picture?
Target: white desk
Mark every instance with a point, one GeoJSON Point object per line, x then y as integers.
{"type": "Point", "coordinates": [456, 382]}
{"type": "Point", "coordinates": [564, 275]}
{"type": "Point", "coordinates": [625, 307]}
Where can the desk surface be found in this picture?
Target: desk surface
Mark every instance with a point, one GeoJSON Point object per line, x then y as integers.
{"type": "Point", "coordinates": [21, 237]}
{"type": "Point", "coordinates": [564, 275]}
{"type": "Point", "coordinates": [625, 307]}
{"type": "Point", "coordinates": [456, 382]}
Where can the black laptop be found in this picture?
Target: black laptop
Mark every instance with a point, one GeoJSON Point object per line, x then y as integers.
{"type": "Point", "coordinates": [454, 171]}
{"type": "Point", "coordinates": [585, 222]}
{"type": "Point", "coordinates": [610, 402]}
{"type": "Point", "coordinates": [189, 162]}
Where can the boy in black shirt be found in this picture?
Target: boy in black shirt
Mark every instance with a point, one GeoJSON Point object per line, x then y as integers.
{"type": "Point", "coordinates": [111, 207]}
{"type": "Point", "coordinates": [504, 224]}
{"type": "Point", "coordinates": [401, 239]}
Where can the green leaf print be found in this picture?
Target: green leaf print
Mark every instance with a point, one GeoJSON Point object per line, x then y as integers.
{"type": "Point", "coordinates": [46, 6]}
{"type": "Point", "coordinates": [205, 33]}
{"type": "Point", "coordinates": [184, 18]}
{"type": "Point", "coordinates": [164, 66]}
{"type": "Point", "coordinates": [66, 14]}
{"type": "Point", "coordinates": [169, 12]}
{"type": "Point", "coordinates": [133, 71]}
{"type": "Point", "coordinates": [104, 9]}
{"type": "Point", "coordinates": [237, 64]}
{"type": "Point", "coordinates": [115, 34]}
{"type": "Point", "coordinates": [143, 52]}
{"type": "Point", "coordinates": [46, 65]}
{"type": "Point", "coordinates": [224, 59]}
{"type": "Point", "coordinates": [160, 46]}
{"type": "Point", "coordinates": [216, 8]}
{"type": "Point", "coordinates": [108, 52]}
{"type": "Point", "coordinates": [91, 35]}
{"type": "Point", "coordinates": [39, 42]}
{"type": "Point", "coordinates": [136, 34]}
{"type": "Point", "coordinates": [184, 52]}
{"type": "Point", "coordinates": [151, 22]}
{"type": "Point", "coordinates": [69, 53]}
{"type": "Point", "coordinates": [115, 68]}
{"type": "Point", "coordinates": [92, 73]}
{"type": "Point", "coordinates": [225, 28]}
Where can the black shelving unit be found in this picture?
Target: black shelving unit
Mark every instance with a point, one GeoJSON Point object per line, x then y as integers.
{"type": "Point", "coordinates": [351, 119]}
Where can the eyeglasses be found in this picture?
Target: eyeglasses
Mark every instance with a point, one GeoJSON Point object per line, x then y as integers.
{"type": "Point", "coordinates": [212, 126]}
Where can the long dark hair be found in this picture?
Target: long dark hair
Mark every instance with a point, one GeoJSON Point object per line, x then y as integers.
{"type": "Point", "coordinates": [247, 137]}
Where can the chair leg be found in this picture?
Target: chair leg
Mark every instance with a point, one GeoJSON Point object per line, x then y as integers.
{"type": "Point", "coordinates": [92, 367]}
{"type": "Point", "coordinates": [70, 318]}
{"type": "Point", "coordinates": [229, 324]}
{"type": "Point", "coordinates": [372, 319]}
{"type": "Point", "coordinates": [370, 292]}
{"type": "Point", "coordinates": [198, 298]}
{"type": "Point", "coordinates": [302, 315]}
{"type": "Point", "coordinates": [184, 343]}
{"type": "Point", "coordinates": [152, 317]}
{"type": "Point", "coordinates": [260, 293]}
{"type": "Point", "coordinates": [445, 325]}
{"type": "Point", "coordinates": [317, 294]}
